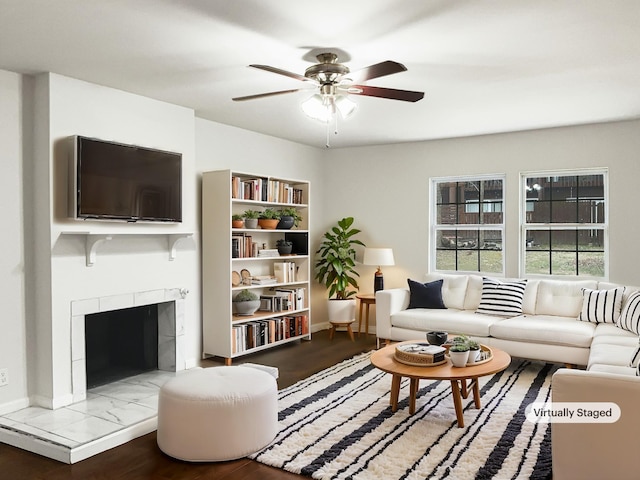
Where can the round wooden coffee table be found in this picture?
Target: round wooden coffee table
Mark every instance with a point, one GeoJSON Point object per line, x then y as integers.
{"type": "Point", "coordinates": [384, 360]}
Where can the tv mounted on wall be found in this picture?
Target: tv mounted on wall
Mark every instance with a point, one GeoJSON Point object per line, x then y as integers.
{"type": "Point", "coordinates": [114, 181]}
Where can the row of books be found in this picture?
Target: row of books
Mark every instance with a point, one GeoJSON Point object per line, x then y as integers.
{"type": "Point", "coordinates": [285, 272]}
{"type": "Point", "coordinates": [243, 246]}
{"type": "Point", "coordinates": [262, 332]}
{"type": "Point", "coordinates": [282, 300]}
{"type": "Point", "coordinates": [265, 190]}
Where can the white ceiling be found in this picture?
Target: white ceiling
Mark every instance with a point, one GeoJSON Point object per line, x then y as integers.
{"type": "Point", "coordinates": [485, 66]}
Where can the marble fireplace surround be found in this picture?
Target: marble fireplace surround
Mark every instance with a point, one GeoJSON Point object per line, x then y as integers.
{"type": "Point", "coordinates": [170, 329]}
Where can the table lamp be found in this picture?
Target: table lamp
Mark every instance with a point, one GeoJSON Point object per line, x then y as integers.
{"type": "Point", "coordinates": [378, 257]}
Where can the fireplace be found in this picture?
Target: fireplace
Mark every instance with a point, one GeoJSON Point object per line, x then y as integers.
{"type": "Point", "coordinates": [119, 336]}
{"type": "Point", "coordinates": [120, 344]}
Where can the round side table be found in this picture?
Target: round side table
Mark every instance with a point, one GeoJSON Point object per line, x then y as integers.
{"type": "Point", "coordinates": [366, 299]}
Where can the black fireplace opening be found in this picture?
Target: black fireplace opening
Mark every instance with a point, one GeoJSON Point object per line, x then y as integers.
{"type": "Point", "coordinates": [120, 344]}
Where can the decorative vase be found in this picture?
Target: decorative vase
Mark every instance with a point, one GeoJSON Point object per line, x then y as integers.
{"type": "Point", "coordinates": [286, 222]}
{"type": "Point", "coordinates": [459, 359]}
{"type": "Point", "coordinates": [246, 308]}
{"type": "Point", "coordinates": [251, 222]}
{"type": "Point", "coordinates": [268, 223]}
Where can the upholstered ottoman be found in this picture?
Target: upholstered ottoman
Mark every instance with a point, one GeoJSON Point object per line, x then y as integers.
{"type": "Point", "coordinates": [217, 414]}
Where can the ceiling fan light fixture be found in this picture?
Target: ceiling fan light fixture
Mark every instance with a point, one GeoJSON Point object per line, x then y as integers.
{"type": "Point", "coordinates": [324, 107]}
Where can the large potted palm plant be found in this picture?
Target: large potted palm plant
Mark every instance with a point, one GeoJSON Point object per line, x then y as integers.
{"type": "Point", "coordinates": [335, 269]}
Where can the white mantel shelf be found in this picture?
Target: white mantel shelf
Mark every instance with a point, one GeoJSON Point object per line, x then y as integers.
{"type": "Point", "coordinates": [94, 240]}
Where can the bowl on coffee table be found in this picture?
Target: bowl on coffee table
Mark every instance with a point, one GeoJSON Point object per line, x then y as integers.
{"type": "Point", "coordinates": [437, 338]}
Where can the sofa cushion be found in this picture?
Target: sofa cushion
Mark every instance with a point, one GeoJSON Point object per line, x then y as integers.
{"type": "Point", "coordinates": [601, 306]}
{"type": "Point", "coordinates": [454, 289]}
{"type": "Point", "coordinates": [502, 299]}
{"type": "Point", "coordinates": [629, 318]}
{"type": "Point", "coordinates": [547, 329]}
{"type": "Point", "coordinates": [617, 334]}
{"type": "Point", "coordinates": [617, 369]}
{"type": "Point", "coordinates": [450, 320]}
{"type": "Point", "coordinates": [606, 354]}
{"type": "Point", "coordinates": [561, 298]}
{"type": "Point", "coordinates": [425, 295]}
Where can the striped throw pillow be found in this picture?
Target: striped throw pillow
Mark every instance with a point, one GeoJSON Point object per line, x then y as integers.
{"type": "Point", "coordinates": [635, 357]}
{"type": "Point", "coordinates": [503, 299]}
{"type": "Point", "coordinates": [601, 306]}
{"type": "Point", "coordinates": [630, 317]}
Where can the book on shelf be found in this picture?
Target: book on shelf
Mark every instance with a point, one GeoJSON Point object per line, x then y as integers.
{"type": "Point", "coordinates": [243, 246]}
{"type": "Point", "coordinates": [269, 252]}
{"type": "Point", "coordinates": [285, 272]}
{"type": "Point", "coordinates": [263, 280]}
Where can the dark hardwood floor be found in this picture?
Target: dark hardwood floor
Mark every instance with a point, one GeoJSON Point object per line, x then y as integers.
{"type": "Point", "coordinates": [142, 459]}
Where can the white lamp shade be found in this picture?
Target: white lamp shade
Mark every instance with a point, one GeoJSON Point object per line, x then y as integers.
{"type": "Point", "coordinates": [378, 256]}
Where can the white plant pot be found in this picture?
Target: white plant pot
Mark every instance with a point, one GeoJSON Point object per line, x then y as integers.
{"type": "Point", "coordinates": [341, 311]}
{"type": "Point", "coordinates": [459, 359]}
{"type": "Point", "coordinates": [474, 356]}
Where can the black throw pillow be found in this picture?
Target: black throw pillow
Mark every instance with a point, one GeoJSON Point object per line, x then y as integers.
{"type": "Point", "coordinates": [425, 295]}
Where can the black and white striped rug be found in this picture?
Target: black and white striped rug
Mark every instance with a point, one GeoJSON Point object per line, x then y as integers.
{"type": "Point", "coordinates": [338, 424]}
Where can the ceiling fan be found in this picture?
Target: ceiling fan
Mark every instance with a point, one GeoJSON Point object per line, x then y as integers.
{"type": "Point", "coordinates": [334, 79]}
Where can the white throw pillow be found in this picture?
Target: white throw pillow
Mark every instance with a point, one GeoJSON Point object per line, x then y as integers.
{"type": "Point", "coordinates": [629, 319]}
{"type": "Point", "coordinates": [601, 306]}
{"type": "Point", "coordinates": [502, 299]}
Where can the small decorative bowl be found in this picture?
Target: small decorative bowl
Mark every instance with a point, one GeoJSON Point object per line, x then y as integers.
{"type": "Point", "coordinates": [437, 338]}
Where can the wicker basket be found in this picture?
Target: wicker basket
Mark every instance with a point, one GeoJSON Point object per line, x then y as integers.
{"type": "Point", "coordinates": [404, 355]}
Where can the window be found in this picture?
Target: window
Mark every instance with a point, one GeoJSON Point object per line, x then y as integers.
{"type": "Point", "coordinates": [468, 228]}
{"type": "Point", "coordinates": [564, 223]}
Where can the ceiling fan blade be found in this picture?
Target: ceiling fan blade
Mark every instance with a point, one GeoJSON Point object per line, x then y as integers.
{"type": "Point", "coordinates": [375, 71]}
{"type": "Point", "coordinates": [261, 95]}
{"type": "Point", "coordinates": [279, 71]}
{"type": "Point", "coordinates": [391, 93]}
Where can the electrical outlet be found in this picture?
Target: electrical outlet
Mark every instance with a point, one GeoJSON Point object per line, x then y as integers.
{"type": "Point", "coordinates": [4, 377]}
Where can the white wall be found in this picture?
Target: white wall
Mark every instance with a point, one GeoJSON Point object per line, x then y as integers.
{"type": "Point", "coordinates": [392, 201]}
{"type": "Point", "coordinates": [220, 147]}
{"type": "Point", "coordinates": [126, 264]}
{"type": "Point", "coordinates": [12, 277]}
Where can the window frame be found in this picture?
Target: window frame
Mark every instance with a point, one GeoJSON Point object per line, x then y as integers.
{"type": "Point", "coordinates": [435, 227]}
{"type": "Point", "coordinates": [563, 226]}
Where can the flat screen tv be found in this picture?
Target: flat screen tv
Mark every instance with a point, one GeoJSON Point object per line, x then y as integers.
{"type": "Point", "coordinates": [125, 182]}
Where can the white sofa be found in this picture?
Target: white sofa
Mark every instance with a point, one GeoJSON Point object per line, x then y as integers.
{"type": "Point", "coordinates": [549, 330]}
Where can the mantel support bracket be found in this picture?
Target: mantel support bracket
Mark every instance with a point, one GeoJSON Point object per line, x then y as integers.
{"type": "Point", "coordinates": [91, 244]}
{"type": "Point", "coordinates": [173, 239]}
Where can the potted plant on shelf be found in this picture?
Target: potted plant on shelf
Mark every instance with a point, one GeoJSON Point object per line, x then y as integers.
{"type": "Point", "coordinates": [336, 259]}
{"type": "Point", "coordinates": [251, 218]}
{"type": "Point", "coordinates": [268, 219]}
{"type": "Point", "coordinates": [289, 217]}
{"type": "Point", "coordinates": [284, 247]}
{"type": "Point", "coordinates": [237, 221]}
{"type": "Point", "coordinates": [246, 302]}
